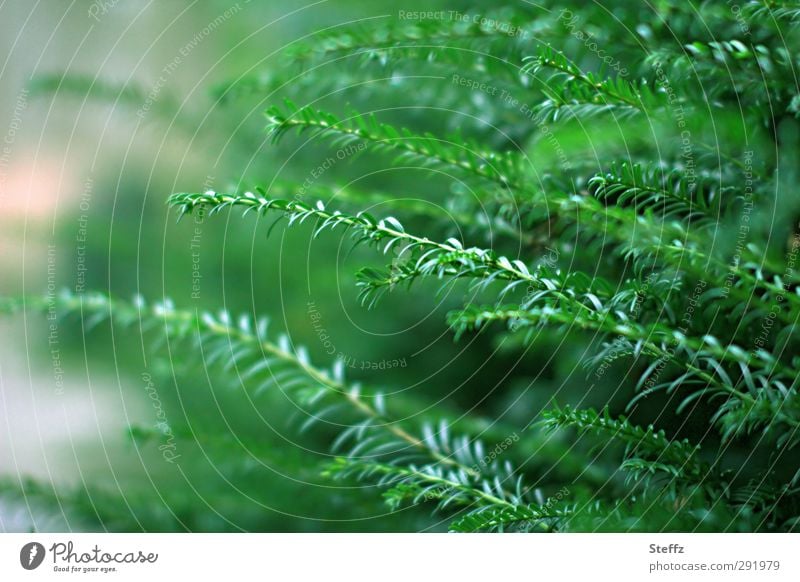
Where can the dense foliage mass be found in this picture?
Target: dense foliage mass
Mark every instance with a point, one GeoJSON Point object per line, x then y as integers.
{"type": "Point", "coordinates": [605, 189]}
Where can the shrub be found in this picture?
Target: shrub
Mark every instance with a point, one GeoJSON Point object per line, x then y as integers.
{"type": "Point", "coordinates": [618, 175]}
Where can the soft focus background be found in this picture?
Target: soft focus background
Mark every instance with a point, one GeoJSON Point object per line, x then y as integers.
{"type": "Point", "coordinates": [87, 164]}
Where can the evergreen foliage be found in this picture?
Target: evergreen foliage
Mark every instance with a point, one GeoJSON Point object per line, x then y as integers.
{"type": "Point", "coordinates": [676, 231]}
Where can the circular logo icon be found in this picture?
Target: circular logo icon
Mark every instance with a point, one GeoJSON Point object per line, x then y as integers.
{"type": "Point", "coordinates": [31, 555]}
